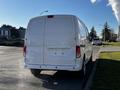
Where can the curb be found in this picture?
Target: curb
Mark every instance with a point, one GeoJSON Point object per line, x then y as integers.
{"type": "Point", "coordinates": [90, 79]}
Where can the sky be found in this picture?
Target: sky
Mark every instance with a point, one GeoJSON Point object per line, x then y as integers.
{"type": "Point", "coordinates": [93, 13]}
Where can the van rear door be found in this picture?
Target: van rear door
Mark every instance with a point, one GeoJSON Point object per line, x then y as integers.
{"type": "Point", "coordinates": [60, 44]}
{"type": "Point", "coordinates": [35, 41]}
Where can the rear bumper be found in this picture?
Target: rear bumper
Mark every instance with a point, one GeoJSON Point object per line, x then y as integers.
{"type": "Point", "coordinates": [76, 67]}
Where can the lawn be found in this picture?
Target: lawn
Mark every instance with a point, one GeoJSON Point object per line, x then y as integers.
{"type": "Point", "coordinates": [107, 76]}
{"type": "Point", "coordinates": [111, 43]}
{"type": "Point", "coordinates": [110, 55]}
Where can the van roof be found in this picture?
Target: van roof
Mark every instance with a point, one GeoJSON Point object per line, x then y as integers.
{"type": "Point", "coordinates": [54, 15]}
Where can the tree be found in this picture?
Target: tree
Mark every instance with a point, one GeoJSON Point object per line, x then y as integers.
{"type": "Point", "coordinates": [113, 36]}
{"type": "Point", "coordinates": [14, 33]}
{"type": "Point", "coordinates": [93, 33]}
{"type": "Point", "coordinates": [22, 28]}
{"type": "Point", "coordinates": [22, 32]}
{"type": "Point", "coordinates": [106, 32]}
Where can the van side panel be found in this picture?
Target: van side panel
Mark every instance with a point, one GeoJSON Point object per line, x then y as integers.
{"type": "Point", "coordinates": [60, 41]}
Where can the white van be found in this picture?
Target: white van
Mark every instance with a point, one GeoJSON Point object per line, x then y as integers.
{"type": "Point", "coordinates": [56, 42]}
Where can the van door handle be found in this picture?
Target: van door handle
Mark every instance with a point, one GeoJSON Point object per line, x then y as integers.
{"type": "Point", "coordinates": [82, 45]}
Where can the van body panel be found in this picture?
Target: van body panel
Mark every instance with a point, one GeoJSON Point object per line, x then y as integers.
{"type": "Point", "coordinates": [83, 39]}
{"type": "Point", "coordinates": [60, 41]}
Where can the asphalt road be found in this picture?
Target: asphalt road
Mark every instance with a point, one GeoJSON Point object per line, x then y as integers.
{"type": "Point", "coordinates": [13, 76]}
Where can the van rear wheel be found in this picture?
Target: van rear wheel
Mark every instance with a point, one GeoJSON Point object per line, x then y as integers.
{"type": "Point", "coordinates": [35, 72]}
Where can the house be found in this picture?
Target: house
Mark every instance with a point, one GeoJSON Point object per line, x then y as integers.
{"type": "Point", "coordinates": [8, 32]}
{"type": "Point", "coordinates": [5, 32]}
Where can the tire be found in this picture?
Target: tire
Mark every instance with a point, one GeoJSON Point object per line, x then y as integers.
{"type": "Point", "coordinates": [35, 72]}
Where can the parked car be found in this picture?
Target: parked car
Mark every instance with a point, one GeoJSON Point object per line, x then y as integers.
{"type": "Point", "coordinates": [97, 42]}
{"type": "Point", "coordinates": [57, 42]}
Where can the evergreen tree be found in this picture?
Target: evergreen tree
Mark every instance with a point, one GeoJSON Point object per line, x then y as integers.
{"type": "Point", "coordinates": [106, 32]}
{"type": "Point", "coordinates": [14, 33]}
{"type": "Point", "coordinates": [93, 33]}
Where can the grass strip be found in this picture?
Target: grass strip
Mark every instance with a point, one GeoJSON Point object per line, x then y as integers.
{"type": "Point", "coordinates": [107, 75]}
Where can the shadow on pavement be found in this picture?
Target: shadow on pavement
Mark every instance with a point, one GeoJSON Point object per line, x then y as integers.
{"type": "Point", "coordinates": [62, 80]}
{"type": "Point", "coordinates": [65, 80]}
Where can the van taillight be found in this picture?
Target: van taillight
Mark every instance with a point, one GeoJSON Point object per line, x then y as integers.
{"type": "Point", "coordinates": [24, 50]}
{"type": "Point", "coordinates": [78, 52]}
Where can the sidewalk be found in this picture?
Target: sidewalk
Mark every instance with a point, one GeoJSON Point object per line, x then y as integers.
{"type": "Point", "coordinates": [110, 48]}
